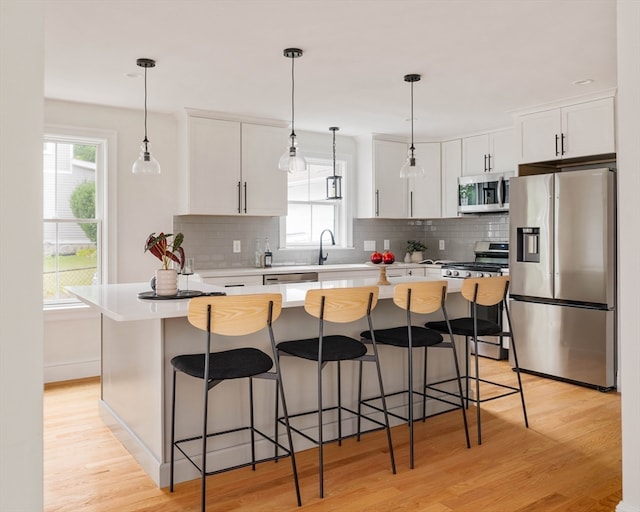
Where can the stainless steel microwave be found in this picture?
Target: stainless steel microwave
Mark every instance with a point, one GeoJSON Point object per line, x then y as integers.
{"type": "Point", "coordinates": [485, 193]}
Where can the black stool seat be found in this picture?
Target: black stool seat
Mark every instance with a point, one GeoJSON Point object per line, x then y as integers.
{"type": "Point", "coordinates": [334, 348]}
{"type": "Point", "coordinates": [229, 364]}
{"type": "Point", "coordinates": [397, 336]}
{"type": "Point", "coordinates": [464, 327]}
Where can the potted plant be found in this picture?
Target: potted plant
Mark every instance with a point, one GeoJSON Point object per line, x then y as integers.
{"type": "Point", "coordinates": [414, 249]}
{"type": "Point", "coordinates": [167, 248]}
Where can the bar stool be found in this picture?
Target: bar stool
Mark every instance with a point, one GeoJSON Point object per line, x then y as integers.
{"type": "Point", "coordinates": [420, 298]}
{"type": "Point", "coordinates": [485, 291]}
{"type": "Point", "coordinates": [231, 316]}
{"type": "Point", "coordinates": [337, 305]}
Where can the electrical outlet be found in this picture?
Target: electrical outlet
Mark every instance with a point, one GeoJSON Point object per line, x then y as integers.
{"type": "Point", "coordinates": [237, 246]}
{"type": "Point", "coordinates": [369, 245]}
{"type": "Point", "coordinates": [386, 245]}
{"type": "Point", "coordinates": [441, 245]}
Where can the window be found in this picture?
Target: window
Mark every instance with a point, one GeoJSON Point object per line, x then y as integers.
{"type": "Point", "coordinates": [72, 215]}
{"type": "Point", "coordinates": [309, 210]}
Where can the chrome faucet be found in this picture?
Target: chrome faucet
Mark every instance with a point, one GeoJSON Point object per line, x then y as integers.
{"type": "Point", "coordinates": [321, 258]}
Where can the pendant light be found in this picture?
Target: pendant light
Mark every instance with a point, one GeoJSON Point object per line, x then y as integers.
{"type": "Point", "coordinates": [145, 164]}
{"type": "Point", "coordinates": [410, 169]}
{"type": "Point", "coordinates": [334, 183]}
{"type": "Point", "coordinates": [291, 160]}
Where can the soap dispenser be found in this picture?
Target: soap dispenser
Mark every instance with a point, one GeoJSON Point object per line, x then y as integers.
{"type": "Point", "coordinates": [268, 255]}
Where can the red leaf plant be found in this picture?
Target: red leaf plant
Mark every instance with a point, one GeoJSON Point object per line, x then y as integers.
{"type": "Point", "coordinates": [166, 248]}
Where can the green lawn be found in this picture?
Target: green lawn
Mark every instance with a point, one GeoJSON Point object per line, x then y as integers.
{"type": "Point", "coordinates": [75, 270]}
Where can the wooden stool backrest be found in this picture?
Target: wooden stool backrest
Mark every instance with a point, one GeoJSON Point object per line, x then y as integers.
{"type": "Point", "coordinates": [235, 315]}
{"type": "Point", "coordinates": [426, 296]}
{"type": "Point", "coordinates": [491, 290]}
{"type": "Point", "coordinates": [341, 305]}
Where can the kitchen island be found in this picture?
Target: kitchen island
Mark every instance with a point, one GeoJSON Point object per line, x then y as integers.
{"type": "Point", "coordinates": [140, 337]}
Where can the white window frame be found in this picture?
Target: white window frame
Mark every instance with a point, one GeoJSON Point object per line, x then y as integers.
{"type": "Point", "coordinates": [106, 170]}
{"type": "Point", "coordinates": [344, 237]}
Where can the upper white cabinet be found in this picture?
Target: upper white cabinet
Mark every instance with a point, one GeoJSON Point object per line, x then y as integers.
{"type": "Point", "coordinates": [424, 200]}
{"type": "Point", "coordinates": [232, 169]}
{"type": "Point", "coordinates": [489, 152]}
{"type": "Point", "coordinates": [451, 171]}
{"type": "Point", "coordinates": [390, 194]}
{"type": "Point", "coordinates": [264, 186]}
{"type": "Point", "coordinates": [583, 129]}
{"type": "Point", "coordinates": [381, 191]}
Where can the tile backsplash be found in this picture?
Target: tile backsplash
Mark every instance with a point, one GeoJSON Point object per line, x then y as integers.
{"type": "Point", "coordinates": [209, 238]}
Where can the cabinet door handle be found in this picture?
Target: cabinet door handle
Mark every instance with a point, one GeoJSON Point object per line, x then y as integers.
{"type": "Point", "coordinates": [562, 151]}
{"type": "Point", "coordinates": [245, 197]}
{"type": "Point", "coordinates": [485, 163]}
{"type": "Point", "coordinates": [557, 153]}
{"type": "Point", "coordinates": [377, 202]}
{"type": "Point", "coordinates": [239, 197]}
{"type": "Point", "coordinates": [489, 162]}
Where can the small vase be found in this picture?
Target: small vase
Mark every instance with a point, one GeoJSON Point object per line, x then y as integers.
{"type": "Point", "coordinates": [407, 257]}
{"type": "Point", "coordinates": [166, 282]}
{"type": "Point", "coordinates": [416, 257]}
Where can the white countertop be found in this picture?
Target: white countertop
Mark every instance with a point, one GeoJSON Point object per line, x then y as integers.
{"type": "Point", "coordinates": [120, 302]}
{"type": "Point", "coordinates": [286, 269]}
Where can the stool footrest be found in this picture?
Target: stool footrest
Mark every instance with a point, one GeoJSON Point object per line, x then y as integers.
{"type": "Point", "coordinates": [286, 451]}
{"type": "Point", "coordinates": [455, 405]}
{"type": "Point", "coordinates": [354, 414]}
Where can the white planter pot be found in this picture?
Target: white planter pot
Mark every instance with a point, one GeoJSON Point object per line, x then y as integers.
{"type": "Point", "coordinates": [416, 257]}
{"type": "Point", "coordinates": [166, 282]}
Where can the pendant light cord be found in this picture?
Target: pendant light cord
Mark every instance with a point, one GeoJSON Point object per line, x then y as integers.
{"type": "Point", "coordinates": [412, 148]}
{"type": "Point", "coordinates": [334, 152]}
{"type": "Point", "coordinates": [146, 140]}
{"type": "Point", "coordinates": [293, 87]}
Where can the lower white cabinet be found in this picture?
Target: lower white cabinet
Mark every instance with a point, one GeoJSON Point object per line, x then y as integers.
{"type": "Point", "coordinates": [233, 281]}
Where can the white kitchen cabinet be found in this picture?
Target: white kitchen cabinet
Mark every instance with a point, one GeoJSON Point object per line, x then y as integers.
{"type": "Point", "coordinates": [232, 169]}
{"type": "Point", "coordinates": [451, 171]}
{"type": "Point", "coordinates": [264, 185]}
{"type": "Point", "coordinates": [424, 194]}
{"type": "Point", "coordinates": [234, 281]}
{"type": "Point", "coordinates": [578, 130]}
{"type": "Point", "coordinates": [489, 152]}
{"type": "Point", "coordinates": [390, 196]}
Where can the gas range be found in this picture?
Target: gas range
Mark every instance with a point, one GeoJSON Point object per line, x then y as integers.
{"type": "Point", "coordinates": [491, 259]}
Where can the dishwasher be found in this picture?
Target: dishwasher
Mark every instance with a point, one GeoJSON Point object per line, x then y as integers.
{"type": "Point", "coordinates": [292, 277]}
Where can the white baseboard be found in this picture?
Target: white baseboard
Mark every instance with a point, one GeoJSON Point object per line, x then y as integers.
{"type": "Point", "coordinates": [71, 371]}
{"type": "Point", "coordinates": [622, 507]}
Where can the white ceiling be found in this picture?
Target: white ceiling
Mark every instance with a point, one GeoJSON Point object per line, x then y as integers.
{"type": "Point", "coordinates": [479, 59]}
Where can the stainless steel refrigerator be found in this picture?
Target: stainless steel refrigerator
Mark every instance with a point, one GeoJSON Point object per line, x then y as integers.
{"type": "Point", "coordinates": [562, 263]}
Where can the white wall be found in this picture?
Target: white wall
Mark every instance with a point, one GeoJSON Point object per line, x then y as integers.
{"type": "Point", "coordinates": [629, 242]}
{"type": "Point", "coordinates": [21, 99]}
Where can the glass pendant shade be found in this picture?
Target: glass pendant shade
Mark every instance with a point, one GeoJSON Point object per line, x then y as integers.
{"type": "Point", "coordinates": [291, 160]}
{"type": "Point", "coordinates": [145, 164]}
{"type": "Point", "coordinates": [411, 169]}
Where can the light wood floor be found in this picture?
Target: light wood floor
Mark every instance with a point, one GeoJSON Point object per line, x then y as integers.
{"type": "Point", "coordinates": [568, 460]}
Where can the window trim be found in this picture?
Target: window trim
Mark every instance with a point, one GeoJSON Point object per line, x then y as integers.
{"type": "Point", "coordinates": [106, 183]}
